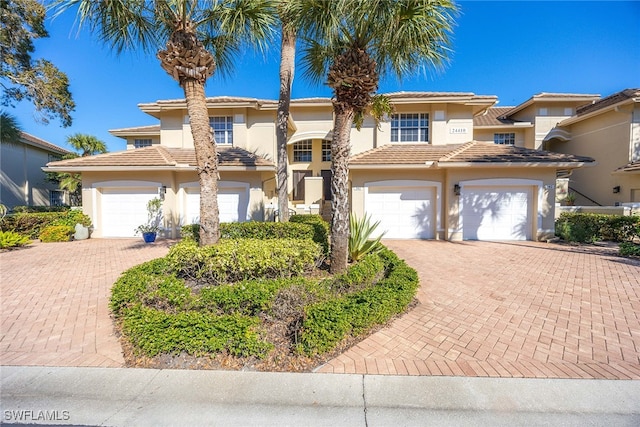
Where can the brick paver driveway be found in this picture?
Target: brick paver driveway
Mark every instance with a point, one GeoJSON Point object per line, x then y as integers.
{"type": "Point", "coordinates": [54, 301]}
{"type": "Point", "coordinates": [510, 310]}
{"type": "Point", "coordinates": [486, 309]}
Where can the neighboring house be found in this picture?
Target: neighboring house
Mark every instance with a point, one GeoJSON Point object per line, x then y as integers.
{"type": "Point", "coordinates": [23, 183]}
{"type": "Point", "coordinates": [423, 173]}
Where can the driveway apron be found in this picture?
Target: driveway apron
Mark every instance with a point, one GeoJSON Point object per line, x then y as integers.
{"type": "Point", "coordinates": [54, 301]}
{"type": "Point", "coordinates": [512, 309]}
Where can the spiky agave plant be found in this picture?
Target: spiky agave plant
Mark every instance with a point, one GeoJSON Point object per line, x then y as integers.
{"type": "Point", "coordinates": [361, 242]}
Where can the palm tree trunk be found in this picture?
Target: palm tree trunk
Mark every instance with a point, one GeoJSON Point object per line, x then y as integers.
{"type": "Point", "coordinates": [207, 159]}
{"type": "Point", "coordinates": [287, 59]}
{"type": "Point", "coordinates": [340, 189]}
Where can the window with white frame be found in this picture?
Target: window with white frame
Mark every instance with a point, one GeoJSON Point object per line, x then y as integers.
{"type": "Point", "coordinates": [222, 129]}
{"type": "Point", "coordinates": [56, 198]}
{"type": "Point", "coordinates": [504, 138]}
{"type": "Point", "coordinates": [302, 151]}
{"type": "Point", "coordinates": [139, 143]}
{"type": "Point", "coordinates": [410, 127]}
{"type": "Point", "coordinates": [326, 150]}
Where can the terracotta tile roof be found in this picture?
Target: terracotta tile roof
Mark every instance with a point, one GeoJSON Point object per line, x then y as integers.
{"type": "Point", "coordinates": [609, 100]}
{"type": "Point", "coordinates": [471, 152]}
{"type": "Point", "coordinates": [41, 143]}
{"type": "Point", "coordinates": [402, 154]}
{"type": "Point", "coordinates": [631, 167]}
{"type": "Point", "coordinates": [493, 117]}
{"type": "Point", "coordinates": [159, 156]}
{"type": "Point", "coordinates": [139, 129]}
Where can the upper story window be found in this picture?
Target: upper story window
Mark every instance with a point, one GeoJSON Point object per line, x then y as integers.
{"type": "Point", "coordinates": [410, 127]}
{"type": "Point", "coordinates": [222, 129]}
{"type": "Point", "coordinates": [326, 150]}
{"type": "Point", "coordinates": [139, 143]}
{"type": "Point", "coordinates": [302, 151]}
{"type": "Point", "coordinates": [54, 157]}
{"type": "Point", "coordinates": [504, 138]}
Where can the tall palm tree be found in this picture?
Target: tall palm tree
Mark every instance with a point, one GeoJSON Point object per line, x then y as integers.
{"type": "Point", "coordinates": [193, 39]}
{"type": "Point", "coordinates": [352, 44]}
{"type": "Point", "coordinates": [287, 67]}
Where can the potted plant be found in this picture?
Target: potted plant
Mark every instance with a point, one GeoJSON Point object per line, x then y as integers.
{"type": "Point", "coordinates": [150, 229]}
{"type": "Point", "coordinates": [570, 200]}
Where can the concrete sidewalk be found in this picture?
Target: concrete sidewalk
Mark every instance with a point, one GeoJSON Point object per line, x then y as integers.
{"type": "Point", "coordinates": [146, 397]}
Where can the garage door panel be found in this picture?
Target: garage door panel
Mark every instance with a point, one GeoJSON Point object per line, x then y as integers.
{"type": "Point", "coordinates": [496, 213]}
{"type": "Point", "coordinates": [232, 205]}
{"type": "Point", "coordinates": [403, 212]}
{"type": "Point", "coordinates": [124, 209]}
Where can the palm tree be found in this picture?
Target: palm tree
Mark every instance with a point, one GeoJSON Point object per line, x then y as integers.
{"type": "Point", "coordinates": [287, 65]}
{"type": "Point", "coordinates": [351, 44]}
{"type": "Point", "coordinates": [9, 128]}
{"type": "Point", "coordinates": [85, 145]}
{"type": "Point", "coordinates": [192, 39]}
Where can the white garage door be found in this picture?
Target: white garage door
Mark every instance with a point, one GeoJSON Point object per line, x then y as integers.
{"type": "Point", "coordinates": [232, 205]}
{"type": "Point", "coordinates": [403, 212]}
{"type": "Point", "coordinates": [124, 209]}
{"type": "Point", "coordinates": [496, 213]}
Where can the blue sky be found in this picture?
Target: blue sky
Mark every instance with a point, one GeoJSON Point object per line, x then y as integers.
{"type": "Point", "coordinates": [509, 49]}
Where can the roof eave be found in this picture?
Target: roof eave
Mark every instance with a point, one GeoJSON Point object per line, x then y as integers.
{"type": "Point", "coordinates": [175, 168]}
{"type": "Point", "coordinates": [392, 166]}
{"type": "Point", "coordinates": [612, 107]}
{"type": "Point", "coordinates": [564, 165]}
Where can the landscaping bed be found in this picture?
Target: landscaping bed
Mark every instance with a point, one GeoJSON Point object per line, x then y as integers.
{"type": "Point", "coordinates": [254, 304]}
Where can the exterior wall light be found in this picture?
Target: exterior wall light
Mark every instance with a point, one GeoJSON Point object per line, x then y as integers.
{"type": "Point", "coordinates": [162, 191]}
{"type": "Point", "coordinates": [616, 189]}
{"type": "Point", "coordinates": [456, 189]}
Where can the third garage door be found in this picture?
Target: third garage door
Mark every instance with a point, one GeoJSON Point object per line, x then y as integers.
{"type": "Point", "coordinates": [496, 213]}
{"type": "Point", "coordinates": [404, 211]}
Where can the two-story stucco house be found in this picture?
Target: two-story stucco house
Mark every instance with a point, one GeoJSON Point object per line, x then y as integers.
{"type": "Point", "coordinates": [428, 172]}
{"type": "Point", "coordinates": [22, 181]}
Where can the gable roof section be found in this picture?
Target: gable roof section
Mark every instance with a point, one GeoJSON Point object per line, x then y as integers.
{"type": "Point", "coordinates": [616, 98]}
{"type": "Point", "coordinates": [493, 117]}
{"type": "Point", "coordinates": [151, 130]}
{"type": "Point", "coordinates": [29, 139]}
{"type": "Point", "coordinates": [473, 153]}
{"type": "Point", "coordinates": [552, 97]}
{"type": "Point", "coordinates": [161, 158]}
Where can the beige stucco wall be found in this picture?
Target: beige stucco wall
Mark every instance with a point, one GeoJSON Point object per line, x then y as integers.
{"type": "Point", "coordinates": [174, 183]}
{"type": "Point", "coordinates": [540, 180]}
{"type": "Point", "coordinates": [606, 139]}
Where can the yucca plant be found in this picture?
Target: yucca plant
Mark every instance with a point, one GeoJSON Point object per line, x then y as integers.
{"type": "Point", "coordinates": [360, 241]}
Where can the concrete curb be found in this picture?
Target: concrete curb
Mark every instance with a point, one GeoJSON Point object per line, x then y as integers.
{"type": "Point", "coordinates": [148, 397]}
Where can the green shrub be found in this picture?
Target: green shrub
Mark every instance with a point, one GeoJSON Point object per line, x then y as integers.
{"type": "Point", "coordinates": [133, 284]}
{"type": "Point", "coordinates": [359, 275]}
{"type": "Point", "coordinates": [10, 239]}
{"type": "Point", "coordinates": [32, 224]}
{"type": "Point", "coordinates": [320, 228]}
{"type": "Point", "coordinates": [153, 332]}
{"type": "Point", "coordinates": [242, 259]}
{"type": "Point", "coordinates": [629, 249]}
{"type": "Point", "coordinates": [588, 228]}
{"type": "Point", "coordinates": [254, 230]}
{"type": "Point", "coordinates": [39, 209]}
{"type": "Point", "coordinates": [360, 241]}
{"type": "Point", "coordinates": [56, 233]}
{"type": "Point", "coordinates": [328, 322]}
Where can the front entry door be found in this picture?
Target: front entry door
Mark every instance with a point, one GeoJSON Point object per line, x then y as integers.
{"type": "Point", "coordinates": [326, 183]}
{"type": "Point", "coordinates": [298, 184]}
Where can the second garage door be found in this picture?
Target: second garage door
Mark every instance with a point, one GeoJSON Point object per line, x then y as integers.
{"type": "Point", "coordinates": [404, 211]}
{"type": "Point", "coordinates": [496, 213]}
{"type": "Point", "coordinates": [233, 203]}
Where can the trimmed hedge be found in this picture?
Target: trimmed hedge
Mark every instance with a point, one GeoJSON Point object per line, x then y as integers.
{"type": "Point", "coordinates": [320, 228]}
{"type": "Point", "coordinates": [328, 322]}
{"type": "Point", "coordinates": [32, 224]}
{"type": "Point", "coordinates": [629, 249]}
{"type": "Point", "coordinates": [242, 259]}
{"type": "Point", "coordinates": [255, 230]}
{"type": "Point", "coordinates": [39, 209]}
{"type": "Point", "coordinates": [588, 228]}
